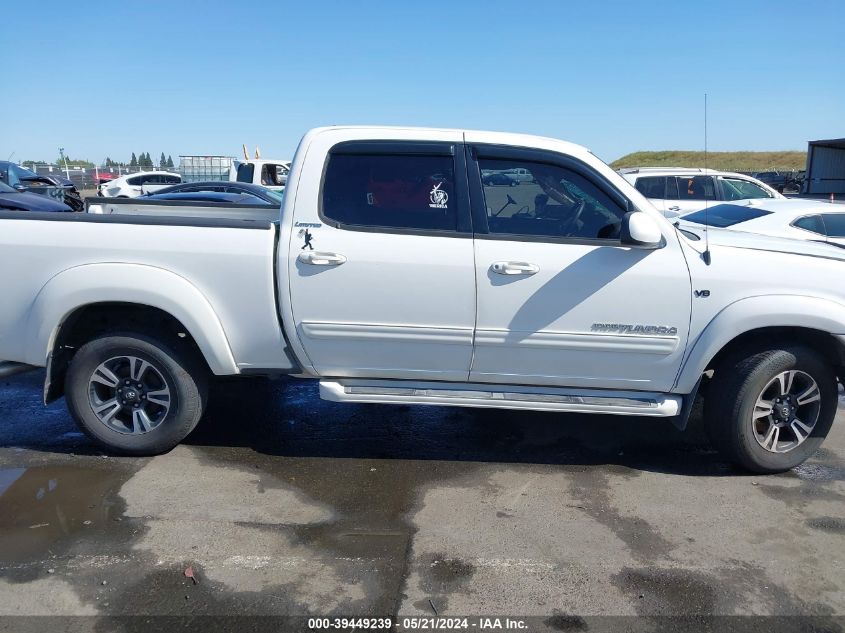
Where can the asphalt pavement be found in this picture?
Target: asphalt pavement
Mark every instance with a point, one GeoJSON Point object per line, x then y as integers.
{"type": "Point", "coordinates": [280, 504]}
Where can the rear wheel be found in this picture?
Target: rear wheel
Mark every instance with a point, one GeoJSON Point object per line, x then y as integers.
{"type": "Point", "coordinates": [134, 394]}
{"type": "Point", "coordinates": [771, 410]}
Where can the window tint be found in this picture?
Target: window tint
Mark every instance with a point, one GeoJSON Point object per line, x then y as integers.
{"type": "Point", "coordinates": [834, 224]}
{"type": "Point", "coordinates": [137, 180]}
{"type": "Point", "coordinates": [391, 191]}
{"type": "Point", "coordinates": [171, 180]}
{"type": "Point", "coordinates": [652, 187]}
{"type": "Point", "coordinates": [557, 202]}
{"type": "Point", "coordinates": [725, 215]}
{"type": "Point", "coordinates": [671, 188]}
{"type": "Point", "coordinates": [811, 223]}
{"type": "Point", "coordinates": [246, 172]}
{"type": "Point", "coordinates": [695, 187]}
{"type": "Point", "coordinates": [738, 189]}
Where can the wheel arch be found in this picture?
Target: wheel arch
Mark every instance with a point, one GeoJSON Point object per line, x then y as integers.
{"type": "Point", "coordinates": [811, 321]}
{"type": "Point", "coordinates": [112, 295]}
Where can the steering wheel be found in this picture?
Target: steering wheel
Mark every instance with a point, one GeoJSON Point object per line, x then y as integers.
{"type": "Point", "coordinates": [576, 215]}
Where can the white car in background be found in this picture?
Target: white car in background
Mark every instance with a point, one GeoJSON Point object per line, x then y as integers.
{"type": "Point", "coordinates": [134, 185]}
{"type": "Point", "coordinates": [675, 191]}
{"type": "Point", "coordinates": [797, 219]}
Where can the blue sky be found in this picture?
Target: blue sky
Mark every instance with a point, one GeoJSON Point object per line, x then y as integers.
{"type": "Point", "coordinates": [203, 77]}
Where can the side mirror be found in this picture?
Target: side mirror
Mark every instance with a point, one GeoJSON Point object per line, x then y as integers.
{"type": "Point", "coordinates": [640, 230]}
{"type": "Point", "coordinates": [20, 187]}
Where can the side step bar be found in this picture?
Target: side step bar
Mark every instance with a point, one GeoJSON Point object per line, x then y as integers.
{"type": "Point", "coordinates": [502, 397]}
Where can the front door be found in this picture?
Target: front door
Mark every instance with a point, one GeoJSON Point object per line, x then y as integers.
{"type": "Point", "coordinates": [686, 194]}
{"type": "Point", "coordinates": [560, 300]}
{"type": "Point", "coordinates": [381, 267]}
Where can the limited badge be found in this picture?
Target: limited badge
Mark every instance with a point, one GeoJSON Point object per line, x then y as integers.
{"type": "Point", "coordinates": [439, 198]}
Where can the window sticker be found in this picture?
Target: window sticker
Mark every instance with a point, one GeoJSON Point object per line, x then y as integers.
{"type": "Point", "coordinates": [439, 198]}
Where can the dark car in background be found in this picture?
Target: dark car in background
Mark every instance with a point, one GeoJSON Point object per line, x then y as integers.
{"type": "Point", "coordinates": [781, 180]}
{"type": "Point", "coordinates": [206, 192]}
{"type": "Point", "coordinates": [498, 178]}
{"type": "Point", "coordinates": [12, 199]}
{"type": "Point", "coordinates": [56, 187]}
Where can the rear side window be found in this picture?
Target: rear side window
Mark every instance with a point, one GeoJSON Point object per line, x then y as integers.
{"type": "Point", "coordinates": [725, 215]}
{"type": "Point", "coordinates": [246, 172]}
{"type": "Point", "coordinates": [171, 180]}
{"type": "Point", "coordinates": [834, 224]}
{"type": "Point", "coordinates": [137, 180]}
{"type": "Point", "coordinates": [391, 191]}
{"type": "Point", "coordinates": [812, 223]}
{"type": "Point", "coordinates": [695, 187]}
{"type": "Point", "coordinates": [652, 187]}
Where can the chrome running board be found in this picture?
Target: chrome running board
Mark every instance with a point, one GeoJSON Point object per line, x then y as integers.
{"type": "Point", "coordinates": [502, 397]}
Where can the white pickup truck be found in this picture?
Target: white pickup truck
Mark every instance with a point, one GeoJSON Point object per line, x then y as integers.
{"type": "Point", "coordinates": [395, 276]}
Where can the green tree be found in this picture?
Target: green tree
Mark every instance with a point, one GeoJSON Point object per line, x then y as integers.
{"type": "Point", "coordinates": [133, 162]}
{"type": "Point", "coordinates": [73, 162]}
{"type": "Point", "coordinates": [162, 163]}
{"type": "Point", "coordinates": [170, 164]}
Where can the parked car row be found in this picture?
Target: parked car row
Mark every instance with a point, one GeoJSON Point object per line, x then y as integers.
{"type": "Point", "coordinates": [682, 190]}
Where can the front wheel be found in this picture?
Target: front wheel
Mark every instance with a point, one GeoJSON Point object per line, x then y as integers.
{"type": "Point", "coordinates": [134, 394]}
{"type": "Point", "coordinates": [770, 411]}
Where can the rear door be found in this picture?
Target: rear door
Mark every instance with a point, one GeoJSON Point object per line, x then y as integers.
{"type": "Point", "coordinates": [653, 188]}
{"type": "Point", "coordinates": [560, 301]}
{"type": "Point", "coordinates": [381, 268]}
{"type": "Point", "coordinates": [685, 194]}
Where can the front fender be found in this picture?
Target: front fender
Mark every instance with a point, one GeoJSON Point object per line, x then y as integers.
{"type": "Point", "coordinates": [753, 313]}
{"type": "Point", "coordinates": [89, 284]}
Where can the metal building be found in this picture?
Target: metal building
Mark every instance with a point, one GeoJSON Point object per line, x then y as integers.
{"type": "Point", "coordinates": [825, 167]}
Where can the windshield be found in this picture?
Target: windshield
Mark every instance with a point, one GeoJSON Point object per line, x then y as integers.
{"type": "Point", "coordinates": [725, 215]}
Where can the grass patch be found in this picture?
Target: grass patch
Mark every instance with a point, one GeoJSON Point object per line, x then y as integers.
{"type": "Point", "coordinates": [724, 161]}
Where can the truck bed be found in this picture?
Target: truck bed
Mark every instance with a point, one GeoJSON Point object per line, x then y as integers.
{"type": "Point", "coordinates": [226, 264]}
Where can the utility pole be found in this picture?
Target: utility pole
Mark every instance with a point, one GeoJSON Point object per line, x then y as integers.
{"type": "Point", "coordinates": [62, 154]}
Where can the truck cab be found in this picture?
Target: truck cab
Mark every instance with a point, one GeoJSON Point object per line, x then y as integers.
{"type": "Point", "coordinates": [272, 174]}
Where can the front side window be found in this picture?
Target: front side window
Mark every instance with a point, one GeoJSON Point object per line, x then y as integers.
{"type": "Point", "coordinates": [695, 187]}
{"type": "Point", "coordinates": [834, 224]}
{"type": "Point", "coordinates": [556, 202]}
{"type": "Point", "coordinates": [136, 181]}
{"type": "Point", "coordinates": [738, 189]}
{"type": "Point", "coordinates": [271, 175]}
{"type": "Point", "coordinates": [391, 191]}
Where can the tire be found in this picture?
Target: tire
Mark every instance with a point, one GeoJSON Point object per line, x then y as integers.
{"type": "Point", "coordinates": [175, 379]}
{"type": "Point", "coordinates": [741, 388]}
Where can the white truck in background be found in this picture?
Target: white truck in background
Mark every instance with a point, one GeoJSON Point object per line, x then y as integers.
{"type": "Point", "coordinates": [394, 275]}
{"type": "Point", "coordinates": [272, 174]}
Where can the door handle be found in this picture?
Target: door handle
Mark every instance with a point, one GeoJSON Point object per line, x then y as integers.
{"type": "Point", "coordinates": [515, 268]}
{"type": "Point", "coordinates": [316, 258]}
{"type": "Point", "coordinates": [673, 208]}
